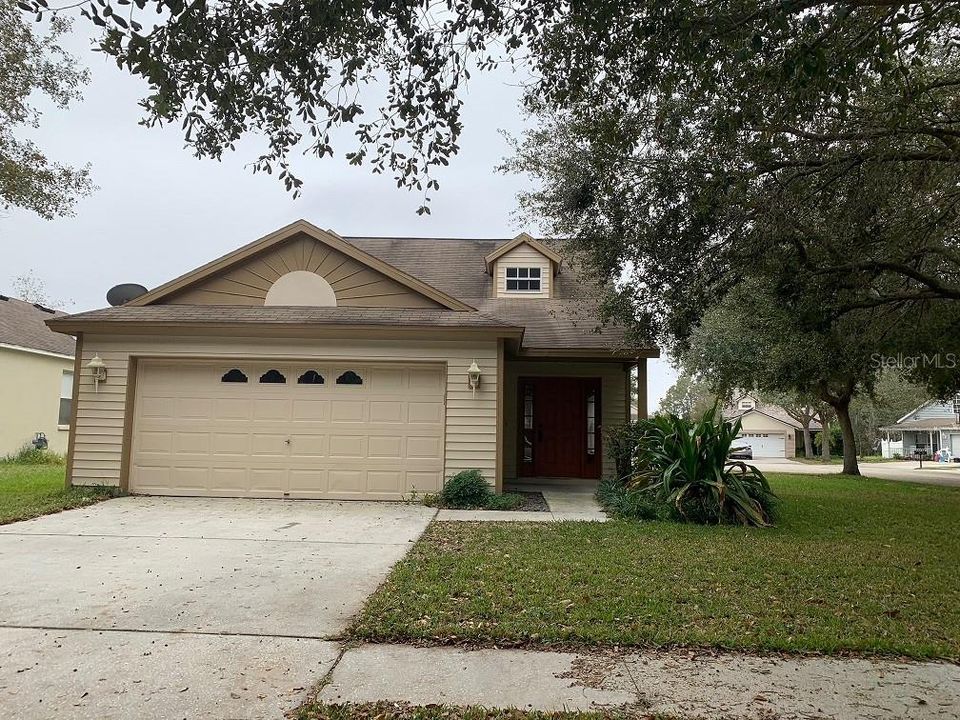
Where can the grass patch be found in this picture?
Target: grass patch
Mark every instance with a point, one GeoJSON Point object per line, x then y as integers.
{"type": "Point", "coordinates": [27, 491]}
{"type": "Point", "coordinates": [854, 564]}
{"type": "Point", "coordinates": [404, 711]}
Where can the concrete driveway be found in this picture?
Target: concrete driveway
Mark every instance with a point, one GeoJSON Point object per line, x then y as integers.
{"type": "Point", "coordinates": [186, 608]}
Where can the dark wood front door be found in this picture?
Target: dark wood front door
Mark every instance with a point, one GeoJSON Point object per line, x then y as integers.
{"type": "Point", "coordinates": [559, 427]}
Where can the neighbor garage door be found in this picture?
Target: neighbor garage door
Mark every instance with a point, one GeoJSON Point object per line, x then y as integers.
{"type": "Point", "coordinates": [764, 444]}
{"type": "Point", "coordinates": [287, 429]}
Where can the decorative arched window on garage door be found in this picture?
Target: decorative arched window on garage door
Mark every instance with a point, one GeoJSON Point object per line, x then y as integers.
{"type": "Point", "coordinates": [349, 378]}
{"type": "Point", "coordinates": [272, 376]}
{"type": "Point", "coordinates": [310, 377]}
{"type": "Point", "coordinates": [234, 375]}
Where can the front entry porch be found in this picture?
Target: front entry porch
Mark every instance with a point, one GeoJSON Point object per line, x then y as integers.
{"type": "Point", "coordinates": [554, 417]}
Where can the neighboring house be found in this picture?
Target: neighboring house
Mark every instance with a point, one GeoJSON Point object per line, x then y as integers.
{"type": "Point", "coordinates": [36, 377]}
{"type": "Point", "coordinates": [767, 429]}
{"type": "Point", "coordinates": [311, 365]}
{"type": "Point", "coordinates": [930, 427]}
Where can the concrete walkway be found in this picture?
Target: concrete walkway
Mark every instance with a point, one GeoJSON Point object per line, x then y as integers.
{"type": "Point", "coordinates": [906, 471]}
{"type": "Point", "coordinates": [679, 683]}
{"type": "Point", "coordinates": [567, 502]}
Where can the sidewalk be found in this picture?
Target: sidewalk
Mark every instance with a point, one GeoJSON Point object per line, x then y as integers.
{"type": "Point", "coordinates": [678, 683]}
{"type": "Point", "coordinates": [567, 502]}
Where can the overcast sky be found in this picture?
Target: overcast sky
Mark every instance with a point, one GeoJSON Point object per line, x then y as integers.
{"type": "Point", "coordinates": [160, 212]}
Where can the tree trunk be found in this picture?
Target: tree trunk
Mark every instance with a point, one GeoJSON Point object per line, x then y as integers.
{"type": "Point", "coordinates": [824, 439]}
{"type": "Point", "coordinates": [850, 466]}
{"type": "Point", "coordinates": [807, 440]}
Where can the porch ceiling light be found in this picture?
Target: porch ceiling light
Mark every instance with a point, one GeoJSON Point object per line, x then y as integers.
{"type": "Point", "coordinates": [98, 370]}
{"type": "Point", "coordinates": [473, 377]}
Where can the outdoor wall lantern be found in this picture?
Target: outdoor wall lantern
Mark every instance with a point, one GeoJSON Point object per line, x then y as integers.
{"type": "Point", "coordinates": [98, 370]}
{"type": "Point", "coordinates": [473, 377]}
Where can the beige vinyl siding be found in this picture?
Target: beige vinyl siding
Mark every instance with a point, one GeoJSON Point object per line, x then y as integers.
{"type": "Point", "coordinates": [523, 256]}
{"type": "Point", "coordinates": [470, 439]}
{"type": "Point", "coordinates": [30, 385]}
{"type": "Point", "coordinates": [355, 284]}
{"type": "Point", "coordinates": [613, 391]}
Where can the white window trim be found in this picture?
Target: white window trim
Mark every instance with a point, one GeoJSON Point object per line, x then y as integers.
{"type": "Point", "coordinates": [522, 267]}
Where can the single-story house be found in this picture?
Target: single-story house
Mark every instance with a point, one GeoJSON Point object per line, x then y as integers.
{"type": "Point", "coordinates": [768, 429]}
{"type": "Point", "coordinates": [36, 377]}
{"type": "Point", "coordinates": [928, 428]}
{"type": "Point", "coordinates": [311, 365]}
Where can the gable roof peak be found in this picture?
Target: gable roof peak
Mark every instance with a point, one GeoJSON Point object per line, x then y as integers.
{"type": "Point", "coordinates": [297, 227]}
{"type": "Point", "coordinates": [556, 260]}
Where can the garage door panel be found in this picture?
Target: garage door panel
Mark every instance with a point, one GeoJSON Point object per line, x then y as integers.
{"type": "Point", "coordinates": [237, 443]}
{"type": "Point", "coordinates": [158, 441]}
{"type": "Point", "coordinates": [342, 481]}
{"type": "Point", "coordinates": [232, 409]}
{"type": "Point", "coordinates": [190, 408]}
{"type": "Point", "coordinates": [424, 447]}
{"type": "Point", "coordinates": [228, 480]}
{"type": "Point", "coordinates": [311, 410]}
{"type": "Point", "coordinates": [192, 442]}
{"type": "Point", "coordinates": [347, 446]}
{"type": "Point", "coordinates": [385, 481]}
{"type": "Point", "coordinates": [387, 411]}
{"type": "Point", "coordinates": [380, 446]}
{"type": "Point", "coordinates": [272, 481]}
{"type": "Point", "coordinates": [348, 411]}
{"type": "Point", "coordinates": [304, 446]}
{"type": "Point", "coordinates": [271, 409]}
{"type": "Point", "coordinates": [425, 412]}
{"type": "Point", "coordinates": [197, 435]}
{"type": "Point", "coordinates": [189, 477]}
{"type": "Point", "coordinates": [269, 445]}
{"type": "Point", "coordinates": [424, 481]}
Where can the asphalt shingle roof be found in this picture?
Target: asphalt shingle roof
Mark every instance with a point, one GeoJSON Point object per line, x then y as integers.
{"type": "Point", "coordinates": [456, 266]}
{"type": "Point", "coordinates": [23, 324]}
{"type": "Point", "coordinates": [287, 315]}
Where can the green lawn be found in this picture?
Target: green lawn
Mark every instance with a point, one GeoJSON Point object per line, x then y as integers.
{"type": "Point", "coordinates": [403, 711]}
{"type": "Point", "coordinates": [27, 491]}
{"type": "Point", "coordinates": [854, 565]}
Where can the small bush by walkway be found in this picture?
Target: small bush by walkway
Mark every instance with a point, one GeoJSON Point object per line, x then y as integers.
{"type": "Point", "coordinates": [34, 489]}
{"type": "Point", "coordinates": [855, 564]}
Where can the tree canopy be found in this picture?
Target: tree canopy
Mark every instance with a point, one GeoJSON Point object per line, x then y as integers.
{"type": "Point", "coordinates": [33, 63]}
{"type": "Point", "coordinates": [790, 76]}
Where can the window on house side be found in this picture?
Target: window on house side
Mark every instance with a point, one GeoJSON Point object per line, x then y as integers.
{"type": "Point", "coordinates": [66, 398]}
{"type": "Point", "coordinates": [523, 279]}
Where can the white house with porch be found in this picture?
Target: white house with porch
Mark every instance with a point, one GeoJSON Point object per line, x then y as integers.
{"type": "Point", "coordinates": [932, 426]}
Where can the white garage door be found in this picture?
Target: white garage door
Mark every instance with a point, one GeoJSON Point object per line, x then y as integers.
{"type": "Point", "coordinates": [764, 444]}
{"type": "Point", "coordinates": [287, 429]}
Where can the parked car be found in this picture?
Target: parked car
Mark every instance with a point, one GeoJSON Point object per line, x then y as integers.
{"type": "Point", "coordinates": [744, 452]}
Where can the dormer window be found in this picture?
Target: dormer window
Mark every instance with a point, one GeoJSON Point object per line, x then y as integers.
{"type": "Point", "coordinates": [956, 406]}
{"type": "Point", "coordinates": [523, 279]}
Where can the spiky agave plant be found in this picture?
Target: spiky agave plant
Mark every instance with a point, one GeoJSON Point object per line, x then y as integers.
{"type": "Point", "coordinates": [686, 464]}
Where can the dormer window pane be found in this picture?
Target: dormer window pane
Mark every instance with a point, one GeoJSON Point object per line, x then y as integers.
{"type": "Point", "coordinates": [523, 279]}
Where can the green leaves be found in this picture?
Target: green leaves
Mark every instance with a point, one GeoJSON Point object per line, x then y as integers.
{"type": "Point", "coordinates": [683, 463]}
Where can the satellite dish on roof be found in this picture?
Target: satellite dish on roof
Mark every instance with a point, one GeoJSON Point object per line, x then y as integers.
{"type": "Point", "coordinates": [124, 293]}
